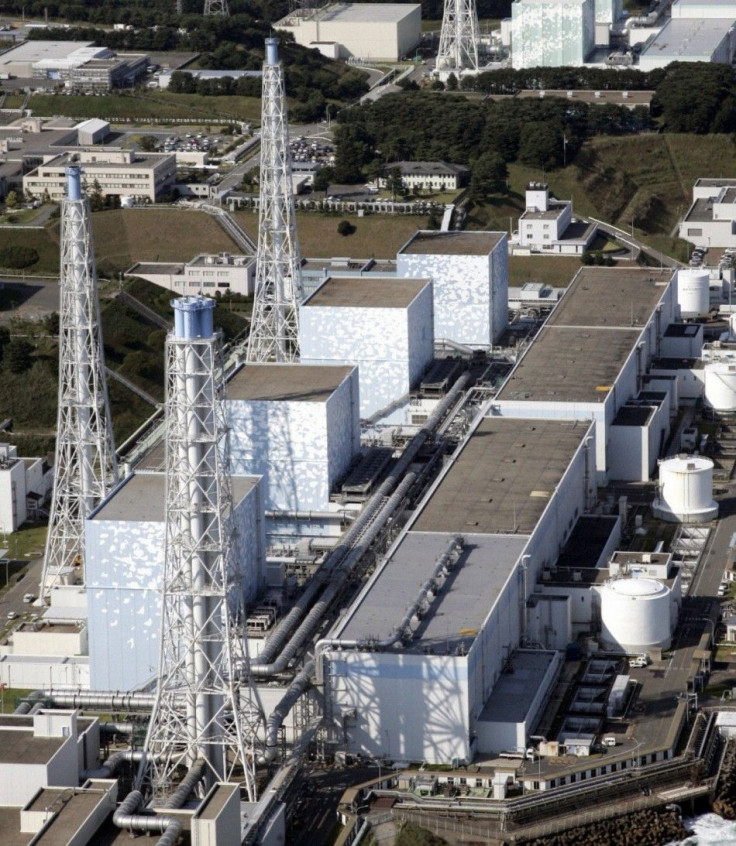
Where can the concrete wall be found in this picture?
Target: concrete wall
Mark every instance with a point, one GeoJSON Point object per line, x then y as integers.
{"type": "Point", "coordinates": [470, 292]}
{"type": "Point", "coordinates": [300, 448]}
{"type": "Point", "coordinates": [413, 707]}
{"type": "Point", "coordinates": [391, 346]}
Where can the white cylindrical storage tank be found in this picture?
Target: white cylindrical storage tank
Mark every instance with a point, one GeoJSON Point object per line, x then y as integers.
{"type": "Point", "coordinates": [686, 490]}
{"type": "Point", "coordinates": [693, 292]}
{"type": "Point", "coordinates": [635, 615]}
{"type": "Point", "coordinates": [720, 385]}
{"type": "Point", "coordinates": [126, 202]}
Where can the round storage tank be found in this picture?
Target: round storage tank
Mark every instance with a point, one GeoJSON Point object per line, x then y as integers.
{"type": "Point", "coordinates": [126, 202]}
{"type": "Point", "coordinates": [635, 615]}
{"type": "Point", "coordinates": [686, 490]}
{"type": "Point", "coordinates": [720, 386]}
{"type": "Point", "coordinates": [693, 294]}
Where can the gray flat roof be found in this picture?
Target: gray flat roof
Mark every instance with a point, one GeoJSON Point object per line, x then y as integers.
{"type": "Point", "coordinates": [452, 243]}
{"type": "Point", "coordinates": [155, 267]}
{"type": "Point", "coordinates": [503, 478]}
{"type": "Point", "coordinates": [18, 747]}
{"type": "Point", "coordinates": [710, 182]}
{"type": "Point", "coordinates": [681, 38]}
{"type": "Point", "coordinates": [34, 51]}
{"type": "Point", "coordinates": [601, 98]}
{"type": "Point", "coordinates": [367, 293]}
{"type": "Point", "coordinates": [460, 607]}
{"type": "Point", "coordinates": [701, 211]}
{"type": "Point", "coordinates": [624, 297]}
{"type": "Point", "coordinates": [365, 12]}
{"type": "Point", "coordinates": [71, 812]}
{"type": "Point", "coordinates": [514, 692]}
{"type": "Point", "coordinates": [286, 382]}
{"type": "Point", "coordinates": [570, 365]}
{"type": "Point", "coordinates": [142, 498]}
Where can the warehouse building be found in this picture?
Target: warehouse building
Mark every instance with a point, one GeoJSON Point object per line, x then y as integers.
{"type": "Point", "coordinates": [551, 33]}
{"type": "Point", "coordinates": [710, 220]}
{"type": "Point", "coordinates": [367, 31]}
{"type": "Point", "coordinates": [122, 173]}
{"type": "Point", "coordinates": [724, 9]}
{"type": "Point", "coordinates": [681, 39]}
{"type": "Point", "coordinates": [589, 361]}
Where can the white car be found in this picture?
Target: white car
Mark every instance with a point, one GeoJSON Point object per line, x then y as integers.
{"type": "Point", "coordinates": [12, 615]}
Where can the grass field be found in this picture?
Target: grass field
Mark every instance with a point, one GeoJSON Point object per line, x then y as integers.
{"type": "Point", "coordinates": [557, 271]}
{"type": "Point", "coordinates": [378, 236]}
{"type": "Point", "coordinates": [44, 241]}
{"type": "Point", "coordinates": [155, 104]}
{"type": "Point", "coordinates": [128, 235]}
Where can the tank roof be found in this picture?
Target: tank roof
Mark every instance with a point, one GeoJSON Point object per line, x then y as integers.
{"type": "Point", "coordinates": [637, 587]}
{"type": "Point", "coordinates": [685, 463]}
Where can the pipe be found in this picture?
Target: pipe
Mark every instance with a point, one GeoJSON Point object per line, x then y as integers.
{"type": "Point", "coordinates": [111, 765]}
{"type": "Point", "coordinates": [125, 817]}
{"type": "Point", "coordinates": [370, 521]}
{"type": "Point", "coordinates": [117, 728]}
{"type": "Point", "coordinates": [115, 700]}
{"type": "Point", "coordinates": [342, 516]}
{"type": "Point", "coordinates": [299, 685]}
{"type": "Point", "coordinates": [338, 575]}
{"type": "Point", "coordinates": [186, 787]}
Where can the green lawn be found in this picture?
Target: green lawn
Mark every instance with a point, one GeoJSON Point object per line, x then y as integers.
{"type": "Point", "coordinates": [557, 271]}
{"type": "Point", "coordinates": [26, 544]}
{"type": "Point", "coordinates": [161, 105]}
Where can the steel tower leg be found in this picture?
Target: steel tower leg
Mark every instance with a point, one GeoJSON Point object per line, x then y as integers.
{"type": "Point", "coordinates": [459, 37]}
{"type": "Point", "coordinates": [205, 709]}
{"type": "Point", "coordinates": [216, 7]}
{"type": "Point", "coordinates": [274, 334]}
{"type": "Point", "coordinates": [85, 466]}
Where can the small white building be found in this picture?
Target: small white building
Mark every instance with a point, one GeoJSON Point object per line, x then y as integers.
{"type": "Point", "coordinates": [385, 326]}
{"type": "Point", "coordinates": [296, 425]}
{"type": "Point", "coordinates": [547, 226]}
{"type": "Point", "coordinates": [709, 222]}
{"type": "Point", "coordinates": [25, 484]}
{"type": "Point", "coordinates": [124, 540]}
{"type": "Point", "coordinates": [387, 31]}
{"type": "Point", "coordinates": [470, 278]}
{"type": "Point", "coordinates": [206, 273]}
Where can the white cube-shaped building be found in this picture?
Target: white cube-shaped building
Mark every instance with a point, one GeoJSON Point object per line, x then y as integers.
{"type": "Point", "coordinates": [385, 326]}
{"type": "Point", "coordinates": [470, 279]}
{"type": "Point", "coordinates": [551, 33]}
{"type": "Point", "coordinates": [296, 425]}
{"type": "Point", "coordinates": [124, 572]}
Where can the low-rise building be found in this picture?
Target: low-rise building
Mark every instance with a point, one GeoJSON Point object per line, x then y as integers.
{"type": "Point", "coordinates": [118, 172]}
{"type": "Point", "coordinates": [430, 176]}
{"type": "Point", "coordinates": [24, 486]}
{"type": "Point", "coordinates": [547, 225]}
{"type": "Point", "coordinates": [206, 273]}
{"type": "Point", "coordinates": [710, 220]}
{"type": "Point", "coordinates": [690, 40]}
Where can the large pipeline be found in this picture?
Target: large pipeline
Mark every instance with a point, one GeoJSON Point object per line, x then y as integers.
{"type": "Point", "coordinates": [126, 818]}
{"type": "Point", "coordinates": [373, 513]}
{"type": "Point", "coordinates": [299, 685]}
{"type": "Point", "coordinates": [111, 765]}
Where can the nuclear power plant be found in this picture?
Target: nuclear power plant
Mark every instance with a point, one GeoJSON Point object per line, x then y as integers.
{"type": "Point", "coordinates": [404, 531]}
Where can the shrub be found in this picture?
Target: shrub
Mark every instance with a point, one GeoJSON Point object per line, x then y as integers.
{"type": "Point", "coordinates": [17, 256]}
{"type": "Point", "coordinates": [345, 227]}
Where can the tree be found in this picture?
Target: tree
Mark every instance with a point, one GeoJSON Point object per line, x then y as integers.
{"type": "Point", "coordinates": [51, 323]}
{"type": "Point", "coordinates": [488, 176]}
{"type": "Point", "coordinates": [11, 201]}
{"type": "Point", "coordinates": [395, 183]}
{"type": "Point", "coordinates": [17, 356]}
{"type": "Point", "coordinates": [323, 179]}
{"type": "Point", "coordinates": [345, 227]}
{"type": "Point", "coordinates": [451, 82]}
{"type": "Point", "coordinates": [96, 200]}
{"type": "Point", "coordinates": [148, 143]}
{"type": "Point", "coordinates": [540, 145]}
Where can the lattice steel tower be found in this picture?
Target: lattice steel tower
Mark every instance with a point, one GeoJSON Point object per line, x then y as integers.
{"type": "Point", "coordinates": [216, 7]}
{"type": "Point", "coordinates": [205, 710]}
{"type": "Point", "coordinates": [274, 334]}
{"type": "Point", "coordinates": [85, 468]}
{"type": "Point", "coordinates": [459, 37]}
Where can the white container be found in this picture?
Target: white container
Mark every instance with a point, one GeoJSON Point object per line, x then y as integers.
{"type": "Point", "coordinates": [693, 292]}
{"type": "Point", "coordinates": [720, 386]}
{"type": "Point", "coordinates": [686, 490]}
{"type": "Point", "coordinates": [635, 615]}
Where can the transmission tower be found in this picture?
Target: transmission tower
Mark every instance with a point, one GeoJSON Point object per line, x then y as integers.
{"type": "Point", "coordinates": [216, 7]}
{"type": "Point", "coordinates": [274, 333]}
{"type": "Point", "coordinates": [85, 466]}
{"type": "Point", "coordinates": [205, 709]}
{"type": "Point", "coordinates": [459, 37]}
